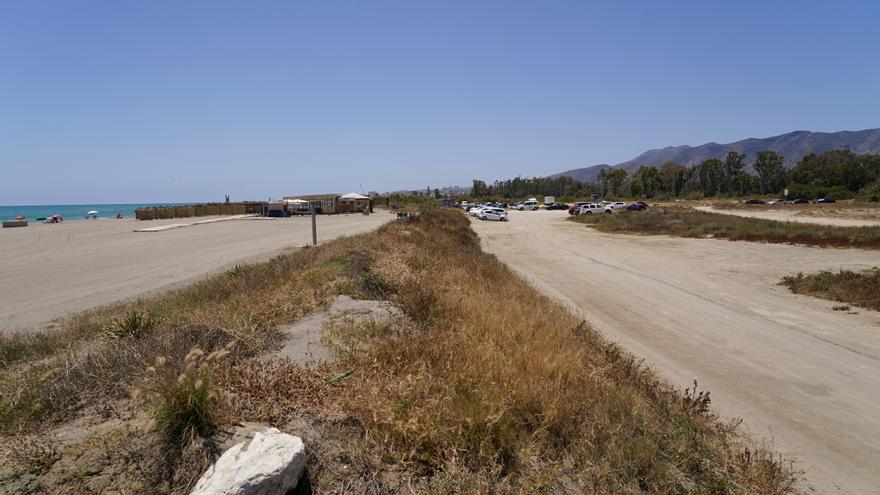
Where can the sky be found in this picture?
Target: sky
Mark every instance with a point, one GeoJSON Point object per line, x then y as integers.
{"type": "Point", "coordinates": [134, 101]}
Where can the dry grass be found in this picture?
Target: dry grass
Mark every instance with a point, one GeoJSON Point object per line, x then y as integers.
{"type": "Point", "coordinates": [490, 387]}
{"type": "Point", "coordinates": [687, 222]}
{"type": "Point", "coordinates": [857, 288]}
{"type": "Point", "coordinates": [509, 391]}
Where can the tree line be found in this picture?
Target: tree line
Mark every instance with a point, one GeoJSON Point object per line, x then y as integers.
{"type": "Point", "coordinates": [840, 174]}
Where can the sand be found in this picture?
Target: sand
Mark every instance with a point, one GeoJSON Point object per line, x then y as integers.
{"type": "Point", "coordinates": [47, 271]}
{"type": "Point", "coordinates": [798, 372]}
{"type": "Point", "coordinates": [793, 215]}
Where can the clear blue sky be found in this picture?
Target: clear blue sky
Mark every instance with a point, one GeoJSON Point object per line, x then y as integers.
{"type": "Point", "coordinates": [135, 101]}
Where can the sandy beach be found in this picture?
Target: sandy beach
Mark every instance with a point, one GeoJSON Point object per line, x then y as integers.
{"type": "Point", "coordinates": [47, 271]}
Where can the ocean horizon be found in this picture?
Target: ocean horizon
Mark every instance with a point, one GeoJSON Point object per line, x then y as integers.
{"type": "Point", "coordinates": [75, 212]}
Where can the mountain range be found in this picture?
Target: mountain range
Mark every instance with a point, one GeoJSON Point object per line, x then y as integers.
{"type": "Point", "coordinates": [792, 146]}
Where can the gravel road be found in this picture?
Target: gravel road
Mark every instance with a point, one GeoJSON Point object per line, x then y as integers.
{"type": "Point", "coordinates": [800, 374]}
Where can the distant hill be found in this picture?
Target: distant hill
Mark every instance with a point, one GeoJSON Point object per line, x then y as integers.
{"type": "Point", "coordinates": [587, 174]}
{"type": "Point", "coordinates": [793, 146]}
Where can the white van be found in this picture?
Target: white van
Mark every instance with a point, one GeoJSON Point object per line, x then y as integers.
{"type": "Point", "coordinates": [530, 205]}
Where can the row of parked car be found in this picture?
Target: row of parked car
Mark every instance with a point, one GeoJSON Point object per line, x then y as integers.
{"type": "Point", "coordinates": [498, 211]}
{"type": "Point", "coordinates": [587, 208]}
{"type": "Point", "coordinates": [488, 212]}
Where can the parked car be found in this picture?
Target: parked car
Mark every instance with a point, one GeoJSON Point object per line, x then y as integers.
{"type": "Point", "coordinates": [825, 200]}
{"type": "Point", "coordinates": [799, 201]}
{"type": "Point", "coordinates": [776, 202]}
{"type": "Point", "coordinates": [590, 208]}
{"type": "Point", "coordinates": [557, 206]}
{"type": "Point", "coordinates": [493, 214]}
{"type": "Point", "coordinates": [637, 206]}
{"type": "Point", "coordinates": [573, 209]}
{"type": "Point", "coordinates": [475, 211]}
{"type": "Point", "coordinates": [529, 205]}
{"type": "Point", "coordinates": [615, 205]}
{"type": "Point", "coordinates": [753, 202]}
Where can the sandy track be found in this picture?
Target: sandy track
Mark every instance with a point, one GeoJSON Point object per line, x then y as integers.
{"type": "Point", "coordinates": [49, 270]}
{"type": "Point", "coordinates": [796, 371]}
{"type": "Point", "coordinates": [794, 216]}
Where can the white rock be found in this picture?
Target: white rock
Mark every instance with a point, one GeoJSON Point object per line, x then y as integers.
{"type": "Point", "coordinates": [271, 463]}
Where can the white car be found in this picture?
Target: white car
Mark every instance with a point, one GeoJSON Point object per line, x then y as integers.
{"type": "Point", "coordinates": [475, 211]}
{"type": "Point", "coordinates": [776, 202]}
{"type": "Point", "coordinates": [615, 205]}
{"type": "Point", "coordinates": [590, 208]}
{"type": "Point", "coordinates": [493, 214]}
{"type": "Point", "coordinates": [530, 205]}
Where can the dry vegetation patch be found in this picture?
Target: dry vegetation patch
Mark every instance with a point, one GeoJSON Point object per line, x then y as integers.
{"type": "Point", "coordinates": [856, 288]}
{"type": "Point", "coordinates": [687, 222]}
{"type": "Point", "coordinates": [485, 386]}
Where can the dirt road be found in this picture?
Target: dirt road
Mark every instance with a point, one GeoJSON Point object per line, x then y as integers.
{"type": "Point", "coordinates": [797, 372]}
{"type": "Point", "coordinates": [795, 216]}
{"type": "Point", "coordinates": [49, 270]}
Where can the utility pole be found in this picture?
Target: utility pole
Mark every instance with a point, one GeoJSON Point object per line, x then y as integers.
{"type": "Point", "coordinates": [314, 225]}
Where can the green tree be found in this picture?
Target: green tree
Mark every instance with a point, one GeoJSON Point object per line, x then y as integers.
{"type": "Point", "coordinates": [673, 178]}
{"type": "Point", "coordinates": [734, 164]}
{"type": "Point", "coordinates": [616, 179]}
{"type": "Point", "coordinates": [479, 189]}
{"type": "Point", "coordinates": [771, 171]}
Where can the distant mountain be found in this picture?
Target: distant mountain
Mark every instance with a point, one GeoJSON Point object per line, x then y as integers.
{"type": "Point", "coordinates": [588, 174]}
{"type": "Point", "coordinates": [793, 146]}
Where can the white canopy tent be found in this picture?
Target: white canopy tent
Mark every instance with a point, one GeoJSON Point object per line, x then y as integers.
{"type": "Point", "coordinates": [353, 197]}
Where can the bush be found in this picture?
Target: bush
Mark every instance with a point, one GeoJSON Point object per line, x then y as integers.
{"type": "Point", "coordinates": [871, 192]}
{"type": "Point", "coordinates": [860, 289]}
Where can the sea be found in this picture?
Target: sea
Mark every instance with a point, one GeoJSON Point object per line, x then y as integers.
{"type": "Point", "coordinates": [74, 212]}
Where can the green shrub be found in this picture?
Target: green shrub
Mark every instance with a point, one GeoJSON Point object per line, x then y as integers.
{"type": "Point", "coordinates": [871, 192]}
{"type": "Point", "coordinates": [134, 324]}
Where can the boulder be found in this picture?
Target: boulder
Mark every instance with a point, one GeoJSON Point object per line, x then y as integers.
{"type": "Point", "coordinates": [270, 463]}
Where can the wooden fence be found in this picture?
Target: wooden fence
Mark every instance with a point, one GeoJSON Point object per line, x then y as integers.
{"type": "Point", "coordinates": [164, 212]}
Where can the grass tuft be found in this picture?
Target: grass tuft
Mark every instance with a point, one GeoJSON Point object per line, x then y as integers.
{"type": "Point", "coordinates": [134, 324]}
{"type": "Point", "coordinates": [186, 405]}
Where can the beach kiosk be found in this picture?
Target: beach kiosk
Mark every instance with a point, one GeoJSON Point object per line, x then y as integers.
{"type": "Point", "coordinates": [297, 206]}
{"type": "Point", "coordinates": [353, 203]}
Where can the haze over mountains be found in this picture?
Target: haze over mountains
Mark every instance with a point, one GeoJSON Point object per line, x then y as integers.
{"type": "Point", "coordinates": [793, 146]}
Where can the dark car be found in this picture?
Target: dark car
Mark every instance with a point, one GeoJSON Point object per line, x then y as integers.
{"type": "Point", "coordinates": [557, 206]}
{"type": "Point", "coordinates": [572, 210]}
{"type": "Point", "coordinates": [637, 206]}
{"type": "Point", "coordinates": [825, 200]}
{"type": "Point", "coordinates": [799, 201]}
{"type": "Point", "coordinates": [754, 202]}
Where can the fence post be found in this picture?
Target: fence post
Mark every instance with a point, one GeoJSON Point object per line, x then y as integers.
{"type": "Point", "coordinates": [314, 226]}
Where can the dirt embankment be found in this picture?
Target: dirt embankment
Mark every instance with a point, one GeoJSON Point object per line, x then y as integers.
{"type": "Point", "coordinates": [712, 310]}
